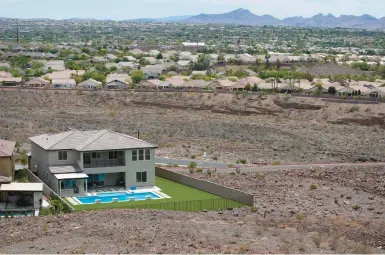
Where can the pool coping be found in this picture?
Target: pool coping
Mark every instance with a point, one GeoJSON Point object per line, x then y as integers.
{"type": "Point", "coordinates": [155, 190]}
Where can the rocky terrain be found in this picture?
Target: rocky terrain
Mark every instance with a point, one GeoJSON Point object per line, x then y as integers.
{"type": "Point", "coordinates": [228, 127]}
{"type": "Point", "coordinates": [336, 210]}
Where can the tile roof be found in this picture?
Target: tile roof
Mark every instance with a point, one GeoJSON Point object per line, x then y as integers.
{"type": "Point", "coordinates": [6, 148]}
{"type": "Point", "coordinates": [89, 141]}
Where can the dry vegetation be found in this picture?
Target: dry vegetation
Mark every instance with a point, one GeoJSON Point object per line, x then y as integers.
{"type": "Point", "coordinates": [227, 127]}
{"type": "Point", "coordinates": [342, 214]}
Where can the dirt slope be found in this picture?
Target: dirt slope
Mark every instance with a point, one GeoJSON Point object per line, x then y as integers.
{"type": "Point", "coordinates": [227, 127]}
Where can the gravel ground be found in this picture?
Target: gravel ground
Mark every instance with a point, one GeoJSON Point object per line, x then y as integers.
{"type": "Point", "coordinates": [227, 127]}
{"type": "Point", "coordinates": [288, 217]}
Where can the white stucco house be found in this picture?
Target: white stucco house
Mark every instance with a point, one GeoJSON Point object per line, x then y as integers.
{"type": "Point", "coordinates": [75, 161]}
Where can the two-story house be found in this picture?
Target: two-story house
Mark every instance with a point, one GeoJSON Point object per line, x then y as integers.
{"type": "Point", "coordinates": [73, 162]}
{"type": "Point", "coordinates": [16, 198]}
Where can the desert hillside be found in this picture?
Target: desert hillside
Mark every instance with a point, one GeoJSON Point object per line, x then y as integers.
{"type": "Point", "coordinates": [228, 127]}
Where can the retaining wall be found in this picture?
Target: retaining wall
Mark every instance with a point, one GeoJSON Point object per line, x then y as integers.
{"type": "Point", "coordinates": [207, 186]}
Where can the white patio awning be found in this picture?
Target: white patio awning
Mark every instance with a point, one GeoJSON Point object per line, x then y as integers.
{"type": "Point", "coordinates": [16, 186]}
{"type": "Point", "coordinates": [71, 176]}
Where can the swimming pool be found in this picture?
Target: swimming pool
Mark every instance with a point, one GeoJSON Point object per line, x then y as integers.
{"type": "Point", "coordinates": [108, 197]}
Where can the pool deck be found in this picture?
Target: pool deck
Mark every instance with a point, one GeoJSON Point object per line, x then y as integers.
{"type": "Point", "coordinates": [94, 192]}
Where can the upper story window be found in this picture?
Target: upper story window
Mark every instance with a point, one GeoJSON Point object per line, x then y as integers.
{"type": "Point", "coordinates": [141, 155]}
{"type": "Point", "coordinates": [95, 154]}
{"type": "Point", "coordinates": [113, 155]}
{"type": "Point", "coordinates": [148, 154]}
{"type": "Point", "coordinates": [63, 155]}
{"type": "Point", "coordinates": [134, 155]}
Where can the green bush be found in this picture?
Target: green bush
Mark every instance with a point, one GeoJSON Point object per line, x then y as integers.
{"type": "Point", "coordinates": [313, 187]}
{"type": "Point", "coordinates": [238, 170]}
{"type": "Point", "coordinates": [356, 207]}
{"type": "Point", "coordinates": [243, 161]}
{"type": "Point", "coordinates": [192, 165]}
{"type": "Point", "coordinates": [276, 163]}
{"type": "Point", "coordinates": [199, 170]}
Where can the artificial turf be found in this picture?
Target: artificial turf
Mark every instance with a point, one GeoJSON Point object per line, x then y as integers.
{"type": "Point", "coordinates": [183, 198]}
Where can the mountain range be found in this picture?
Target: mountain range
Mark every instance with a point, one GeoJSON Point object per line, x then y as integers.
{"type": "Point", "coordinates": [246, 17]}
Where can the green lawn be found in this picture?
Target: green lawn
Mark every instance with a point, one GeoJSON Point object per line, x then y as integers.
{"type": "Point", "coordinates": [183, 198]}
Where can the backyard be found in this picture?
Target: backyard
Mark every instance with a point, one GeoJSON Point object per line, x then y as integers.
{"type": "Point", "coordinates": [183, 198]}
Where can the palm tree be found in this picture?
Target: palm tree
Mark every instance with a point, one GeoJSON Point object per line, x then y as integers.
{"type": "Point", "coordinates": [267, 57]}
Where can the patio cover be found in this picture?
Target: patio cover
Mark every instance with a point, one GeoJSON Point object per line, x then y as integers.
{"type": "Point", "coordinates": [16, 186]}
{"type": "Point", "coordinates": [71, 176]}
{"type": "Point", "coordinates": [4, 179]}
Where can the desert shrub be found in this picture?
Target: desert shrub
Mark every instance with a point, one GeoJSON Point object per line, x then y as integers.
{"type": "Point", "coordinates": [355, 108]}
{"type": "Point", "coordinates": [191, 170]}
{"type": "Point", "coordinates": [356, 97]}
{"type": "Point", "coordinates": [243, 161]}
{"type": "Point", "coordinates": [317, 240]}
{"type": "Point", "coordinates": [260, 175]}
{"type": "Point", "coordinates": [254, 209]}
{"type": "Point", "coordinates": [175, 165]}
{"type": "Point", "coordinates": [300, 216]}
{"type": "Point", "coordinates": [363, 249]}
{"type": "Point", "coordinates": [209, 172]}
{"type": "Point", "coordinates": [313, 187]}
{"type": "Point", "coordinates": [199, 170]}
{"type": "Point", "coordinates": [356, 207]}
{"type": "Point", "coordinates": [276, 163]}
{"type": "Point", "coordinates": [193, 157]}
{"type": "Point", "coordinates": [238, 170]}
{"type": "Point", "coordinates": [230, 166]}
{"type": "Point", "coordinates": [192, 165]}
{"type": "Point", "coordinates": [232, 173]}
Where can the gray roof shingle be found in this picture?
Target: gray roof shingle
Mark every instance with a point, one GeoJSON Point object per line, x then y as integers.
{"type": "Point", "coordinates": [89, 141]}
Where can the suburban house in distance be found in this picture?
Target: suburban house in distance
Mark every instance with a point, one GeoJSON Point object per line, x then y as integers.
{"type": "Point", "coordinates": [74, 162]}
{"type": "Point", "coordinates": [16, 199]}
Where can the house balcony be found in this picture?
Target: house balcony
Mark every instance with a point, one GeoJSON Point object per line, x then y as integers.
{"type": "Point", "coordinates": [105, 163]}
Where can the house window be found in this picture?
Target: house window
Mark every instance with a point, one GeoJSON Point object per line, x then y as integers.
{"type": "Point", "coordinates": [148, 154]}
{"type": "Point", "coordinates": [141, 155]}
{"type": "Point", "coordinates": [95, 154]}
{"type": "Point", "coordinates": [62, 155]}
{"type": "Point", "coordinates": [134, 155]}
{"type": "Point", "coordinates": [141, 177]}
{"type": "Point", "coordinates": [113, 155]}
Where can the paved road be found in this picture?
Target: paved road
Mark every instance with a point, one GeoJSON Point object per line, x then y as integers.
{"type": "Point", "coordinates": [223, 167]}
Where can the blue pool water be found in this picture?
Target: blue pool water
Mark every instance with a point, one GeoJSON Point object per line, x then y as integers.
{"type": "Point", "coordinates": [121, 196]}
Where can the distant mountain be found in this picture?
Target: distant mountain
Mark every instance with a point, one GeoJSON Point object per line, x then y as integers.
{"type": "Point", "coordinates": [239, 16]}
{"type": "Point", "coordinates": [174, 18]}
{"type": "Point", "coordinates": [167, 19]}
{"type": "Point", "coordinates": [245, 17]}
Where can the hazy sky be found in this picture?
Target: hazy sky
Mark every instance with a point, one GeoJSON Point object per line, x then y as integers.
{"type": "Point", "coordinates": [127, 9]}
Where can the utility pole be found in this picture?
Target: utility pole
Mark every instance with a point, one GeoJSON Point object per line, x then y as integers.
{"type": "Point", "coordinates": [17, 30]}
